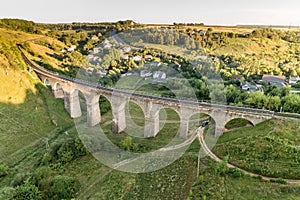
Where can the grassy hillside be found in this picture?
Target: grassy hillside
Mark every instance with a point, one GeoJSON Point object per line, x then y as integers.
{"type": "Point", "coordinates": [271, 148]}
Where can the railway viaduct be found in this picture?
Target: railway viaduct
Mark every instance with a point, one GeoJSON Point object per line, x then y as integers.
{"type": "Point", "coordinates": [68, 89]}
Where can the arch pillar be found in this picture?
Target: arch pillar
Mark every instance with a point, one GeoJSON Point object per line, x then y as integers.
{"type": "Point", "coordinates": [72, 104]}
{"type": "Point", "coordinates": [93, 109]}
{"type": "Point", "coordinates": [151, 120]}
{"type": "Point", "coordinates": [118, 110]}
{"type": "Point", "coordinates": [219, 116]}
{"type": "Point", "coordinates": [58, 91]}
{"type": "Point", "coordinates": [185, 115]}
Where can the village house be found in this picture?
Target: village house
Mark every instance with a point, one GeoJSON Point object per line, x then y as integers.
{"type": "Point", "coordinates": [159, 76]}
{"type": "Point", "coordinates": [124, 57]}
{"type": "Point", "coordinates": [155, 63]}
{"type": "Point", "coordinates": [129, 74]}
{"type": "Point", "coordinates": [96, 50]}
{"type": "Point", "coordinates": [145, 73]}
{"type": "Point", "coordinates": [72, 48]}
{"type": "Point", "coordinates": [294, 80]}
{"type": "Point", "coordinates": [137, 58]}
{"type": "Point", "coordinates": [238, 77]}
{"type": "Point", "coordinates": [278, 81]}
{"type": "Point", "coordinates": [248, 87]}
{"type": "Point", "coordinates": [126, 49]}
{"type": "Point", "coordinates": [148, 57]}
{"type": "Point", "coordinates": [107, 44]}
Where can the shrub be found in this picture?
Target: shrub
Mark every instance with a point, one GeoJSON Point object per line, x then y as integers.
{"type": "Point", "coordinates": [7, 193]}
{"type": "Point", "coordinates": [4, 170]}
{"type": "Point", "coordinates": [42, 177]}
{"type": "Point", "coordinates": [128, 145]}
{"type": "Point", "coordinates": [235, 173]}
{"type": "Point", "coordinates": [27, 191]}
{"type": "Point", "coordinates": [64, 187]}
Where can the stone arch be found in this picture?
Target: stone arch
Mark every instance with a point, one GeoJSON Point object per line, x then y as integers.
{"type": "Point", "coordinates": [141, 104]}
{"type": "Point", "coordinates": [58, 90]}
{"type": "Point", "coordinates": [135, 110]}
{"type": "Point", "coordinates": [175, 109]}
{"type": "Point", "coordinates": [196, 119]}
{"type": "Point", "coordinates": [135, 118]}
{"type": "Point", "coordinates": [47, 82]}
{"type": "Point", "coordinates": [169, 118]}
{"type": "Point", "coordinates": [238, 122]}
{"type": "Point", "coordinates": [105, 105]}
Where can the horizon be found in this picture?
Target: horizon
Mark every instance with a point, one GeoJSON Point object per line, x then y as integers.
{"type": "Point", "coordinates": [153, 23]}
{"type": "Point", "coordinates": [229, 13]}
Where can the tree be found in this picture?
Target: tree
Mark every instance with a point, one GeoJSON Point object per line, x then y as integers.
{"type": "Point", "coordinates": [234, 94]}
{"type": "Point", "coordinates": [127, 144]}
{"type": "Point", "coordinates": [291, 103]}
{"type": "Point", "coordinates": [272, 103]}
{"type": "Point", "coordinates": [256, 99]}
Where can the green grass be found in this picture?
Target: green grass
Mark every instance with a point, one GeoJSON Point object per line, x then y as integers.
{"type": "Point", "coordinates": [231, 187]}
{"type": "Point", "coordinates": [270, 148]}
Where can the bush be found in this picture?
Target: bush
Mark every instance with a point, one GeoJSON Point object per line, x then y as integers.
{"type": "Point", "coordinates": [27, 191]}
{"type": "Point", "coordinates": [7, 193]}
{"type": "Point", "coordinates": [64, 187]}
{"type": "Point", "coordinates": [65, 151]}
{"type": "Point", "coordinates": [4, 170]}
{"type": "Point", "coordinates": [128, 145]}
{"type": "Point", "coordinates": [235, 173]}
{"type": "Point", "coordinates": [42, 177]}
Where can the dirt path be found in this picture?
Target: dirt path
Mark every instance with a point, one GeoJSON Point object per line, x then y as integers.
{"type": "Point", "coordinates": [217, 159]}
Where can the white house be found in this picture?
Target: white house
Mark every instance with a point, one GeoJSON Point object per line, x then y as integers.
{"type": "Point", "coordinates": [96, 50]}
{"type": "Point", "coordinates": [107, 44]}
{"type": "Point", "coordinates": [124, 57]}
{"type": "Point", "coordinates": [246, 86]}
{"type": "Point", "coordinates": [294, 80]}
{"type": "Point", "coordinates": [159, 76]}
{"type": "Point", "coordinates": [155, 63]}
{"type": "Point", "coordinates": [72, 48]}
{"type": "Point", "coordinates": [137, 58]}
{"type": "Point", "coordinates": [148, 57]}
{"type": "Point", "coordinates": [126, 49]}
{"type": "Point", "coordinates": [145, 73]}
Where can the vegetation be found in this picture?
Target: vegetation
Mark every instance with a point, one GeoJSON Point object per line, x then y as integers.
{"type": "Point", "coordinates": [42, 156]}
{"type": "Point", "coordinates": [270, 148]}
{"type": "Point", "coordinates": [233, 184]}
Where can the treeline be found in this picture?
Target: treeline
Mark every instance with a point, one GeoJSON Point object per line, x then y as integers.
{"type": "Point", "coordinates": [271, 98]}
{"type": "Point", "coordinates": [289, 36]}
{"type": "Point", "coordinates": [21, 25]}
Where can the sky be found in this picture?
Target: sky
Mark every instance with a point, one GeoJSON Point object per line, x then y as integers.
{"type": "Point", "coordinates": [212, 12]}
